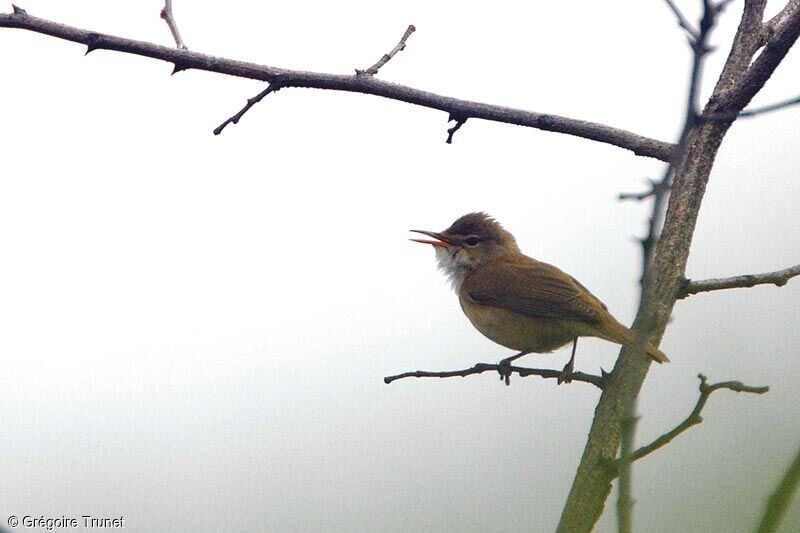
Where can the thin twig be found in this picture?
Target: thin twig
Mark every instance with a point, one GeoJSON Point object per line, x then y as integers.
{"type": "Point", "coordinates": [682, 22]}
{"type": "Point", "coordinates": [778, 278]}
{"type": "Point", "coordinates": [184, 59]}
{"type": "Point", "coordinates": [693, 419]}
{"type": "Point", "coordinates": [503, 370]}
{"type": "Point", "coordinates": [751, 112]}
{"type": "Point", "coordinates": [275, 86]}
{"type": "Point", "coordinates": [720, 6]}
{"type": "Point", "coordinates": [769, 108]}
{"type": "Point", "coordinates": [166, 14]}
{"type": "Point", "coordinates": [371, 71]}
{"type": "Point", "coordinates": [656, 186]}
{"type": "Point", "coordinates": [779, 500]}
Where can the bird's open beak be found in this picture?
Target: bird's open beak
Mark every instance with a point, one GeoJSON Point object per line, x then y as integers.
{"type": "Point", "coordinates": [441, 240]}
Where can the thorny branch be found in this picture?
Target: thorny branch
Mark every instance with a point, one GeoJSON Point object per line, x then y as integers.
{"type": "Point", "coordinates": [480, 368]}
{"type": "Point", "coordinates": [185, 59]}
{"type": "Point", "coordinates": [371, 71]}
{"type": "Point", "coordinates": [778, 278]}
{"type": "Point", "coordinates": [693, 419]}
{"type": "Point", "coordinates": [166, 14]}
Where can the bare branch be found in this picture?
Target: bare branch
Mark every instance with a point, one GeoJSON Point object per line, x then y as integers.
{"type": "Point", "coordinates": [768, 108]}
{"type": "Point", "coordinates": [778, 278]}
{"type": "Point", "coordinates": [166, 14]}
{"type": "Point", "coordinates": [780, 499]}
{"type": "Point", "coordinates": [371, 71]}
{"type": "Point", "coordinates": [480, 368]}
{"type": "Point", "coordinates": [693, 419]}
{"type": "Point", "coordinates": [273, 87]}
{"type": "Point", "coordinates": [184, 59]}
{"type": "Point", "coordinates": [682, 22]}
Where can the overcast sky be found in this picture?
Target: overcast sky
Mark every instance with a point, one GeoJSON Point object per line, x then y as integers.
{"type": "Point", "coordinates": [195, 328]}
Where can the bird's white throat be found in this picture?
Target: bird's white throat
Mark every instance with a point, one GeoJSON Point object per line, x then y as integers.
{"type": "Point", "coordinates": [454, 263]}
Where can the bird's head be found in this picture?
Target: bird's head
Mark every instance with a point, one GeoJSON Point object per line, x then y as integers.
{"type": "Point", "coordinates": [472, 240]}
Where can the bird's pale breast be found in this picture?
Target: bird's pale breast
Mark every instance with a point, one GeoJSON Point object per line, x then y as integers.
{"type": "Point", "coordinates": [518, 332]}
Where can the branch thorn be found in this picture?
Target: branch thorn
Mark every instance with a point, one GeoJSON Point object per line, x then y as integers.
{"type": "Point", "coordinates": [460, 120]}
{"type": "Point", "coordinates": [92, 45]}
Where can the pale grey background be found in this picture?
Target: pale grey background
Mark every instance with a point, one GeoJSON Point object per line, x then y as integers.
{"type": "Point", "coordinates": [194, 329]}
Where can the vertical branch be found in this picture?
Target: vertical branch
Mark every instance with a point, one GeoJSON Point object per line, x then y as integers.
{"type": "Point", "coordinates": [692, 168]}
{"type": "Point", "coordinates": [698, 40]}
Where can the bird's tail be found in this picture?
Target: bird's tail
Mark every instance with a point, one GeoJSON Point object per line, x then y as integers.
{"type": "Point", "coordinates": [622, 335]}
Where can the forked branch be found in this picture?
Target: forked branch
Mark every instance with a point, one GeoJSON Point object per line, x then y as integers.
{"type": "Point", "coordinates": [693, 419]}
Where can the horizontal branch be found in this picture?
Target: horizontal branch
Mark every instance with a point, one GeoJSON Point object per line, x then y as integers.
{"type": "Point", "coordinates": [693, 419]}
{"type": "Point", "coordinates": [503, 370]}
{"type": "Point", "coordinates": [778, 278]}
{"type": "Point", "coordinates": [185, 59]}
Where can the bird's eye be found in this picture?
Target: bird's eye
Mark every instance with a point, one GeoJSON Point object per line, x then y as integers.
{"type": "Point", "coordinates": [472, 240]}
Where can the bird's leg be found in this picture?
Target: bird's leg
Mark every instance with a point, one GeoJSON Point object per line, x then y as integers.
{"type": "Point", "coordinates": [566, 373]}
{"type": "Point", "coordinates": [504, 367]}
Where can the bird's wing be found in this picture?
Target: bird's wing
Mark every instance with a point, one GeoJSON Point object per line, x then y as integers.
{"type": "Point", "coordinates": [533, 289]}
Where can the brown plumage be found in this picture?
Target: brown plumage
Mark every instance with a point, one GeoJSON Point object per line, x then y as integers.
{"type": "Point", "coordinates": [517, 301]}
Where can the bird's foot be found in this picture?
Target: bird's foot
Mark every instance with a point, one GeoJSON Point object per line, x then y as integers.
{"type": "Point", "coordinates": [566, 373]}
{"type": "Point", "coordinates": [504, 369]}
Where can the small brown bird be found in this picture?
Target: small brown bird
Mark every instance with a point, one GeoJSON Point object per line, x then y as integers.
{"type": "Point", "coordinates": [517, 301]}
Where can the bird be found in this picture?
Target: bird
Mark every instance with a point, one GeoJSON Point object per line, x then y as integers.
{"type": "Point", "coordinates": [517, 301]}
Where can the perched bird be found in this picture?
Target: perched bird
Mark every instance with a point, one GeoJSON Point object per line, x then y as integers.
{"type": "Point", "coordinates": [517, 301]}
